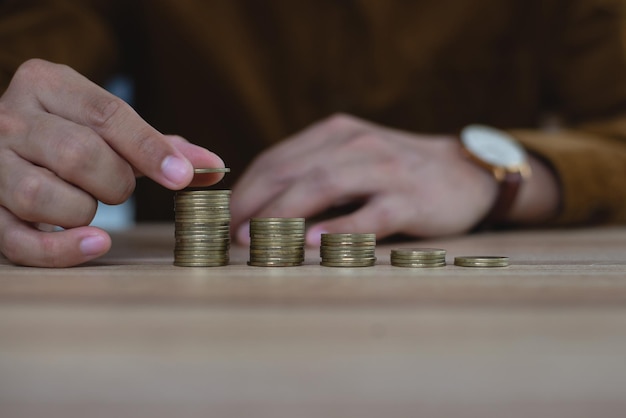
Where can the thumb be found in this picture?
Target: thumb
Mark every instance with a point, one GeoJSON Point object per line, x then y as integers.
{"type": "Point", "coordinates": [199, 157]}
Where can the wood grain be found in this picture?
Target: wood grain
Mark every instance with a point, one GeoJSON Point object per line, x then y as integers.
{"type": "Point", "coordinates": [133, 336]}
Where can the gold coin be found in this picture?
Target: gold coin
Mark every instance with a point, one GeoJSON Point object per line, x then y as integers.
{"type": "Point", "coordinates": [348, 237]}
{"type": "Point", "coordinates": [202, 225]}
{"type": "Point", "coordinates": [481, 261]}
{"type": "Point", "coordinates": [201, 252]}
{"type": "Point", "coordinates": [201, 239]}
{"type": "Point", "coordinates": [203, 248]}
{"type": "Point", "coordinates": [368, 263]}
{"type": "Point", "coordinates": [276, 220]}
{"type": "Point", "coordinates": [353, 250]}
{"type": "Point", "coordinates": [276, 261]}
{"type": "Point", "coordinates": [274, 264]}
{"type": "Point", "coordinates": [282, 240]}
{"type": "Point", "coordinates": [179, 263]}
{"type": "Point", "coordinates": [271, 233]}
{"type": "Point", "coordinates": [223, 238]}
{"type": "Point", "coordinates": [348, 256]}
{"type": "Point", "coordinates": [417, 260]}
{"type": "Point", "coordinates": [418, 265]}
{"type": "Point", "coordinates": [418, 252]}
{"type": "Point", "coordinates": [201, 205]}
{"type": "Point", "coordinates": [350, 259]}
{"type": "Point", "coordinates": [348, 243]}
{"type": "Point", "coordinates": [276, 252]}
{"type": "Point", "coordinates": [211, 170]}
{"type": "Point", "coordinates": [277, 231]}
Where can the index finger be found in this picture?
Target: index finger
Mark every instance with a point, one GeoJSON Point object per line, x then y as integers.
{"type": "Point", "coordinates": [62, 91]}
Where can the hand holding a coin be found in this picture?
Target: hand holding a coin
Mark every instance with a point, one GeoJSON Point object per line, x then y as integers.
{"type": "Point", "coordinates": [404, 182]}
{"type": "Point", "coordinates": [66, 143]}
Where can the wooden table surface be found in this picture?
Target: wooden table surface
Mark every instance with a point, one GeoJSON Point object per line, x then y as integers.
{"type": "Point", "coordinates": [130, 335]}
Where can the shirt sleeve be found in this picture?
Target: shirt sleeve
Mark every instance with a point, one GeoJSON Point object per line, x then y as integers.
{"type": "Point", "coordinates": [585, 74]}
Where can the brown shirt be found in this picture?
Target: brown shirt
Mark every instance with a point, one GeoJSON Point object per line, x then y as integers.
{"type": "Point", "coordinates": [239, 75]}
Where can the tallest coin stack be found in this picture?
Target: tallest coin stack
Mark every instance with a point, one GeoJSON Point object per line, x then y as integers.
{"type": "Point", "coordinates": [202, 226]}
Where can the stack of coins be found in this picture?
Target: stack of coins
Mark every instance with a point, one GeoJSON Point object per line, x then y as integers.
{"type": "Point", "coordinates": [202, 226]}
{"type": "Point", "coordinates": [418, 257]}
{"type": "Point", "coordinates": [481, 261]}
{"type": "Point", "coordinates": [348, 250]}
{"type": "Point", "coordinates": [276, 242]}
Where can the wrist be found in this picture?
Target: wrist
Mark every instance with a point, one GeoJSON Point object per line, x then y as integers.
{"type": "Point", "coordinates": [539, 198]}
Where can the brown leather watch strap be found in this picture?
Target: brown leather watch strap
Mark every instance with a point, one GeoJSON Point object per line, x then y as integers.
{"type": "Point", "coordinates": [507, 192]}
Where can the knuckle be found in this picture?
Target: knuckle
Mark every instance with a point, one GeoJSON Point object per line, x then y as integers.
{"type": "Point", "coordinates": [148, 144]}
{"type": "Point", "coordinates": [283, 174]}
{"type": "Point", "coordinates": [76, 152]}
{"type": "Point", "coordinates": [35, 72]}
{"type": "Point", "coordinates": [339, 122]}
{"type": "Point", "coordinates": [27, 196]}
{"type": "Point", "coordinates": [31, 70]}
{"type": "Point", "coordinates": [82, 213]}
{"type": "Point", "coordinates": [122, 190]}
{"type": "Point", "coordinates": [45, 252]}
{"type": "Point", "coordinates": [264, 160]}
{"type": "Point", "coordinates": [11, 124]}
{"type": "Point", "coordinates": [79, 152]}
{"type": "Point", "coordinates": [102, 110]}
{"type": "Point", "coordinates": [374, 149]}
{"type": "Point", "coordinates": [50, 251]}
{"type": "Point", "coordinates": [366, 141]}
{"type": "Point", "coordinates": [322, 181]}
{"type": "Point", "coordinates": [31, 199]}
{"type": "Point", "coordinates": [9, 245]}
{"type": "Point", "coordinates": [128, 185]}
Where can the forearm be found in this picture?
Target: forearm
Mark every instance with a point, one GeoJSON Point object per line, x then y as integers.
{"type": "Point", "coordinates": [588, 168]}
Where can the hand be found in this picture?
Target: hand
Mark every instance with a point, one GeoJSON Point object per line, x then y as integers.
{"type": "Point", "coordinates": [66, 143]}
{"type": "Point", "coordinates": [411, 184]}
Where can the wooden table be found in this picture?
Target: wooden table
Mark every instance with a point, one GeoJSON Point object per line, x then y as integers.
{"type": "Point", "coordinates": [133, 336]}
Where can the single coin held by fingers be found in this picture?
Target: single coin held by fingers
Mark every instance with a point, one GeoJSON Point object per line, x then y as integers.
{"type": "Point", "coordinates": [211, 170]}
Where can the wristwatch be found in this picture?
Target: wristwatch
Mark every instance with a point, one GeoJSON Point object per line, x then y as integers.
{"type": "Point", "coordinates": [505, 158]}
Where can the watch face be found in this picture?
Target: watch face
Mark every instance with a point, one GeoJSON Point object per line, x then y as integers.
{"type": "Point", "coordinates": [493, 146]}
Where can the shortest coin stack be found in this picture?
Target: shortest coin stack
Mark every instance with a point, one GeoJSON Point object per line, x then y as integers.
{"type": "Point", "coordinates": [202, 228]}
{"type": "Point", "coordinates": [348, 250]}
{"type": "Point", "coordinates": [418, 257]}
{"type": "Point", "coordinates": [276, 242]}
{"type": "Point", "coordinates": [481, 261]}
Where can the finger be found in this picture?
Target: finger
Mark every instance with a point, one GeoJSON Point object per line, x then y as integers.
{"type": "Point", "coordinates": [324, 188]}
{"type": "Point", "coordinates": [77, 154]}
{"type": "Point", "coordinates": [62, 91]}
{"type": "Point", "coordinates": [318, 181]}
{"type": "Point", "coordinates": [276, 168]}
{"type": "Point", "coordinates": [379, 216]}
{"type": "Point", "coordinates": [22, 244]}
{"type": "Point", "coordinates": [35, 194]}
{"type": "Point", "coordinates": [316, 137]}
{"type": "Point", "coordinates": [318, 190]}
{"type": "Point", "coordinates": [200, 158]}
{"type": "Point", "coordinates": [258, 187]}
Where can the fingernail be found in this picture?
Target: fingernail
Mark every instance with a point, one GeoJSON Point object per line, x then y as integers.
{"type": "Point", "coordinates": [93, 245]}
{"type": "Point", "coordinates": [243, 233]}
{"type": "Point", "coordinates": [314, 236]}
{"type": "Point", "coordinates": [176, 169]}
